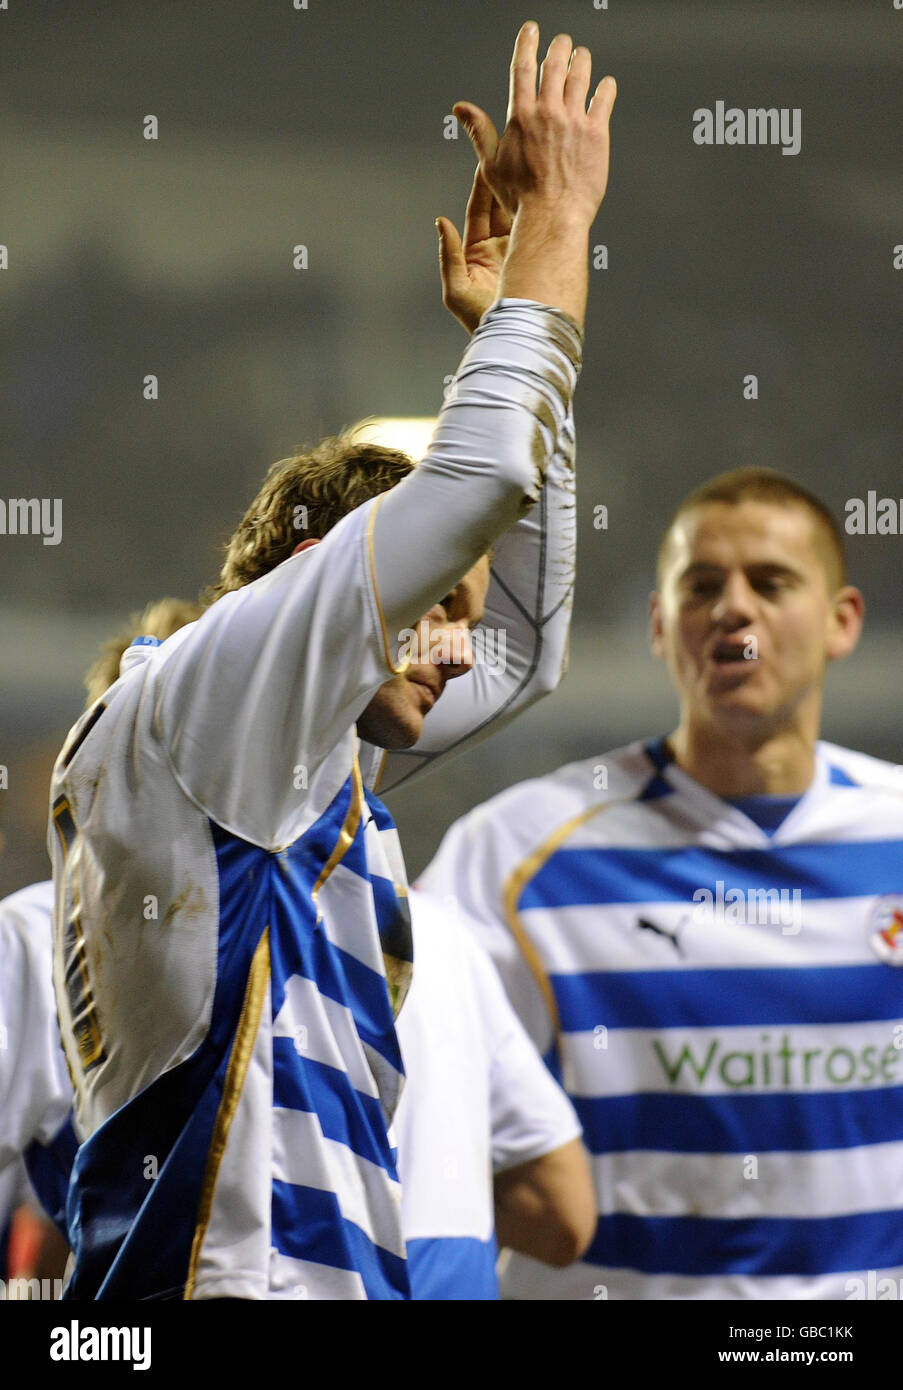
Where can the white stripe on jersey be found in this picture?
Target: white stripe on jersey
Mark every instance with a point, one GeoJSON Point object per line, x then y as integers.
{"type": "Point", "coordinates": [571, 933]}
{"type": "Point", "coordinates": [784, 1184]}
{"type": "Point", "coordinates": [776, 1059]}
{"type": "Point", "coordinates": [323, 1031]}
{"type": "Point", "coordinates": [299, 1279]}
{"type": "Point", "coordinates": [528, 1279]}
{"type": "Point", "coordinates": [365, 1192]}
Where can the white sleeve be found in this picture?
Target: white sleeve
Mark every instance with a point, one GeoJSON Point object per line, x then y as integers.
{"type": "Point", "coordinates": [501, 424]}
{"type": "Point", "coordinates": [521, 645]}
{"type": "Point", "coordinates": [35, 1092]}
{"type": "Point", "coordinates": [469, 872]}
{"type": "Point", "coordinates": [530, 1114]}
{"type": "Point", "coordinates": [271, 677]}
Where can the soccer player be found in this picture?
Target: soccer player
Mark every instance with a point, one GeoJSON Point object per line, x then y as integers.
{"type": "Point", "coordinates": [477, 1099]}
{"type": "Point", "coordinates": [231, 936]}
{"type": "Point", "coordinates": [703, 934]}
{"type": "Point", "coordinates": [35, 1089]}
{"type": "Point", "coordinates": [35, 1094]}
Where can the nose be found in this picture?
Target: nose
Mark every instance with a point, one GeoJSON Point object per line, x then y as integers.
{"type": "Point", "coordinates": [450, 649]}
{"type": "Point", "coordinates": [461, 651]}
{"type": "Point", "coordinates": [735, 605]}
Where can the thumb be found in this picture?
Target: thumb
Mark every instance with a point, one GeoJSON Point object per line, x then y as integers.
{"type": "Point", "coordinates": [451, 254]}
{"type": "Point", "coordinates": [483, 134]}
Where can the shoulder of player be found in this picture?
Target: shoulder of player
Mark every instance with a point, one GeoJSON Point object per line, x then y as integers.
{"type": "Point", "coordinates": [26, 931]}
{"type": "Point", "coordinates": [542, 803]}
{"type": "Point", "coordinates": [308, 567]}
{"type": "Point", "coordinates": [27, 905]}
{"type": "Point", "coordinates": [862, 769]}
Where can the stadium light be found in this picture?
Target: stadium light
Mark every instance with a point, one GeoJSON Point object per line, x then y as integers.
{"type": "Point", "coordinates": [411, 434]}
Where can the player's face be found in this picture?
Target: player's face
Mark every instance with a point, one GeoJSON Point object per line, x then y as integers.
{"type": "Point", "coordinates": [746, 617]}
{"type": "Point", "coordinates": [442, 650]}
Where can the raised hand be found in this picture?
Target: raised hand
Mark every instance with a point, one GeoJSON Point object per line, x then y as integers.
{"type": "Point", "coordinates": [470, 269]}
{"type": "Point", "coordinates": [553, 149]}
{"type": "Point", "coordinates": [549, 170]}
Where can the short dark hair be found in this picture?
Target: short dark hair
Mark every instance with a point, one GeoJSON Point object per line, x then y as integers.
{"type": "Point", "coordinates": [767, 485]}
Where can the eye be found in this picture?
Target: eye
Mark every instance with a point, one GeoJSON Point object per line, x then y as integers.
{"type": "Point", "coordinates": [771, 584]}
{"type": "Point", "coordinates": [704, 588]}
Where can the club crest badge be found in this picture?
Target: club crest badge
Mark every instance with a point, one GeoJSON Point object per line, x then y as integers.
{"type": "Point", "coordinates": [885, 929]}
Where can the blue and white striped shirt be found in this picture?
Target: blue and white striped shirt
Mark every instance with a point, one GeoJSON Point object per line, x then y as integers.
{"type": "Point", "coordinates": [725, 1009]}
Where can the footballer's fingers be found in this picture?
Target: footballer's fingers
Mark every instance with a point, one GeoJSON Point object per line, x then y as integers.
{"type": "Point", "coordinates": [478, 219]}
{"type": "Point", "coordinates": [603, 100]}
{"type": "Point", "coordinates": [522, 82]}
{"type": "Point", "coordinates": [480, 128]}
{"type": "Point", "coordinates": [554, 71]}
{"type": "Point", "coordinates": [576, 86]}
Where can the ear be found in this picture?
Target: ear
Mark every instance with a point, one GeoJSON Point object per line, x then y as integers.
{"type": "Point", "coordinates": [305, 545]}
{"type": "Point", "coordinates": [845, 622]}
{"type": "Point", "coordinates": [656, 636]}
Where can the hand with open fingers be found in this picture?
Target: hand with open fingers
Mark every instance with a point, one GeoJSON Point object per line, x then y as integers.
{"type": "Point", "coordinates": [554, 150]}
{"type": "Point", "coordinates": [470, 268]}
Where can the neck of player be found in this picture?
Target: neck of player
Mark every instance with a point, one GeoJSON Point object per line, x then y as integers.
{"type": "Point", "coordinates": [734, 761]}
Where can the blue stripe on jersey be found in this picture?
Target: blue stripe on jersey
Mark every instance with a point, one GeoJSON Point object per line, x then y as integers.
{"type": "Point", "coordinates": [453, 1267]}
{"type": "Point", "coordinates": [695, 1245]}
{"type": "Point", "coordinates": [394, 918]}
{"type": "Point", "coordinates": [336, 973]}
{"type": "Point", "coordinates": [380, 812]}
{"type": "Point", "coordinates": [308, 1225]}
{"type": "Point", "coordinates": [345, 1114]}
{"type": "Point", "coordinates": [49, 1167]}
{"type": "Point", "coordinates": [723, 998]}
{"type": "Point", "coordinates": [594, 877]}
{"type": "Point", "coordinates": [763, 1122]}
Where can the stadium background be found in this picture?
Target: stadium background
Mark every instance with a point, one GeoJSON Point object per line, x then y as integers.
{"type": "Point", "coordinates": [325, 127]}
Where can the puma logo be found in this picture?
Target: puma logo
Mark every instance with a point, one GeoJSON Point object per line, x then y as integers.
{"type": "Point", "coordinates": [663, 931]}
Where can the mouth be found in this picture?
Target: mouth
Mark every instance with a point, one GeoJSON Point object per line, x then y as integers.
{"type": "Point", "coordinates": [731, 653]}
{"type": "Point", "coordinates": [429, 692]}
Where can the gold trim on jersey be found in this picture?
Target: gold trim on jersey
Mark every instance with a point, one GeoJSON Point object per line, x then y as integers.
{"type": "Point", "coordinates": [346, 834]}
{"type": "Point", "coordinates": [387, 648]}
{"type": "Point", "coordinates": [517, 882]}
{"type": "Point", "coordinates": [82, 1008]}
{"type": "Point", "coordinates": [237, 1070]}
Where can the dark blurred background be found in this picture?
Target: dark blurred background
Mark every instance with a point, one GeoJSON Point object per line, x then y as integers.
{"type": "Point", "coordinates": [325, 127]}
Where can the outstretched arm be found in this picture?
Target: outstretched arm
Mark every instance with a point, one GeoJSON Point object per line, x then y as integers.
{"type": "Point", "coordinates": [521, 645]}
{"type": "Point", "coordinates": [288, 663]}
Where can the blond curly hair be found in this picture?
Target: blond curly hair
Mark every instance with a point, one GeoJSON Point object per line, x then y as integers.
{"type": "Point", "coordinates": [305, 496]}
{"type": "Point", "coordinates": [159, 619]}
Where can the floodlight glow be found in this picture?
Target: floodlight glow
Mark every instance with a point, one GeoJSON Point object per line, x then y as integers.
{"type": "Point", "coordinates": [411, 434]}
